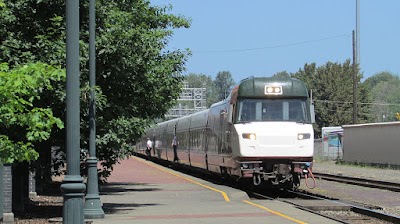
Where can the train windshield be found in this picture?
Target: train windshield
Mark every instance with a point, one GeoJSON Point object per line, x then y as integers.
{"type": "Point", "coordinates": [250, 110]}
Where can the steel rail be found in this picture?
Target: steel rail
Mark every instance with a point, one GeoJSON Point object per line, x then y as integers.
{"type": "Point", "coordinates": [357, 209]}
{"type": "Point", "coordinates": [384, 185]}
{"type": "Point", "coordinates": [353, 208]}
{"type": "Point", "coordinates": [297, 205]}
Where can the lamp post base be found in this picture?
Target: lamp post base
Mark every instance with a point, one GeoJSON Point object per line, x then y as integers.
{"type": "Point", "coordinates": [92, 209]}
{"type": "Point", "coordinates": [73, 188]}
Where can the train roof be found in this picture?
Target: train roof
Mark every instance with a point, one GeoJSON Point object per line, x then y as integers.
{"type": "Point", "coordinates": [195, 120]}
{"type": "Point", "coordinates": [256, 87]}
{"type": "Point", "coordinates": [199, 119]}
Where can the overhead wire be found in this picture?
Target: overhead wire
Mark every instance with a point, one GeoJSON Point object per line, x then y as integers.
{"type": "Point", "coordinates": [271, 47]}
{"type": "Point", "coordinates": [345, 110]}
{"type": "Point", "coordinates": [361, 103]}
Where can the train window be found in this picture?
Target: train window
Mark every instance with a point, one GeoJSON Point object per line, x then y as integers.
{"type": "Point", "coordinates": [250, 110]}
{"type": "Point", "coordinates": [274, 110]}
{"type": "Point", "coordinates": [296, 111]}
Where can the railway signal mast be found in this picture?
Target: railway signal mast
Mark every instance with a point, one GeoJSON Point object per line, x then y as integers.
{"type": "Point", "coordinates": [187, 98]}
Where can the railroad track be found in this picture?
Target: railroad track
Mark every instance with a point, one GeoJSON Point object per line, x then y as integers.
{"type": "Point", "coordinates": [333, 209]}
{"type": "Point", "coordinates": [359, 181]}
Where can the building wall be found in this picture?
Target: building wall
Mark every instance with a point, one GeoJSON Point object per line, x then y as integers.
{"type": "Point", "coordinates": [376, 143]}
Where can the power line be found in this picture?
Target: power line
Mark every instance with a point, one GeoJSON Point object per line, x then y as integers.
{"type": "Point", "coordinates": [271, 47]}
{"type": "Point", "coordinates": [351, 111]}
{"type": "Point", "coordinates": [361, 103]}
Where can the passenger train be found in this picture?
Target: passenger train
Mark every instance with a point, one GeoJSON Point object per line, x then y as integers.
{"type": "Point", "coordinates": [262, 130]}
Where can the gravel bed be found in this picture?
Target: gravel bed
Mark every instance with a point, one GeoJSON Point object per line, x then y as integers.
{"type": "Point", "coordinates": [389, 201]}
{"type": "Point", "coordinates": [381, 174]}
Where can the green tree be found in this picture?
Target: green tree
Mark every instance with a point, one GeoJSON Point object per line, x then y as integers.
{"type": "Point", "coordinates": [21, 122]}
{"type": "Point", "coordinates": [200, 81]}
{"type": "Point", "coordinates": [374, 80]}
{"type": "Point", "coordinates": [332, 88]}
{"type": "Point", "coordinates": [132, 64]}
{"type": "Point", "coordinates": [385, 96]}
{"type": "Point", "coordinates": [282, 74]}
{"type": "Point", "coordinates": [223, 83]}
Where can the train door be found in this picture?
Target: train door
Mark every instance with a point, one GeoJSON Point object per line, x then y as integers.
{"type": "Point", "coordinates": [224, 130]}
{"type": "Point", "coordinates": [229, 130]}
{"type": "Point", "coordinates": [221, 134]}
{"type": "Point", "coordinates": [205, 144]}
{"type": "Point", "coordinates": [164, 144]}
{"type": "Point", "coordinates": [225, 127]}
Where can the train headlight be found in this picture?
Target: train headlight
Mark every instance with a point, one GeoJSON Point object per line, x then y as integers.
{"type": "Point", "coordinates": [250, 136]}
{"type": "Point", "coordinates": [273, 90]}
{"type": "Point", "coordinates": [302, 136]}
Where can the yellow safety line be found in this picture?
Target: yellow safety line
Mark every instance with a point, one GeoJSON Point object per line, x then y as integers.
{"type": "Point", "coordinates": [186, 162]}
{"type": "Point", "coordinates": [274, 212]}
{"type": "Point", "coordinates": [190, 180]}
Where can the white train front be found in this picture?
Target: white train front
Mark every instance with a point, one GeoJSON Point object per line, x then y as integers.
{"type": "Point", "coordinates": [262, 131]}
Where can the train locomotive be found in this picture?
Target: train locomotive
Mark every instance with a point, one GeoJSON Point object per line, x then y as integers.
{"type": "Point", "coordinates": [261, 132]}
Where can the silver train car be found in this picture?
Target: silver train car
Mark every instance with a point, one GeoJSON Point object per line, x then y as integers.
{"type": "Point", "coordinates": [262, 132]}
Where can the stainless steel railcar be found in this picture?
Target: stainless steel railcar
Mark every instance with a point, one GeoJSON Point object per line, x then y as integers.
{"type": "Point", "coordinates": [263, 131]}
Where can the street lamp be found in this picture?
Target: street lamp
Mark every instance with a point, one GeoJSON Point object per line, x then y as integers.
{"type": "Point", "coordinates": [73, 186]}
{"type": "Point", "coordinates": [92, 208]}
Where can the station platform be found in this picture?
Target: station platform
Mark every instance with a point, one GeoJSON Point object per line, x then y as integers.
{"type": "Point", "coordinates": [142, 192]}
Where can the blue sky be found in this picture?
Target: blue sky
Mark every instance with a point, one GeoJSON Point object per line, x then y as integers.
{"type": "Point", "coordinates": [263, 37]}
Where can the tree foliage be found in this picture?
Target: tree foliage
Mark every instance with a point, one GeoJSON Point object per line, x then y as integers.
{"type": "Point", "coordinates": [222, 84]}
{"type": "Point", "coordinates": [332, 88]}
{"type": "Point", "coordinates": [283, 74]}
{"type": "Point", "coordinates": [138, 78]}
{"type": "Point", "coordinates": [21, 122]}
{"type": "Point", "coordinates": [200, 81]}
{"type": "Point", "coordinates": [385, 96]}
{"type": "Point", "coordinates": [217, 89]}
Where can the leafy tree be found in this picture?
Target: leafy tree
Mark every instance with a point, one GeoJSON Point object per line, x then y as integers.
{"type": "Point", "coordinates": [223, 83]}
{"type": "Point", "coordinates": [282, 74]}
{"type": "Point", "coordinates": [385, 96]}
{"type": "Point", "coordinates": [332, 88]}
{"type": "Point", "coordinates": [21, 122]}
{"type": "Point", "coordinates": [374, 80]}
{"type": "Point", "coordinates": [199, 81]}
{"type": "Point", "coordinates": [132, 65]}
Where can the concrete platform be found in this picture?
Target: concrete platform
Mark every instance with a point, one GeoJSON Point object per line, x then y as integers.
{"type": "Point", "coordinates": [320, 205]}
{"type": "Point", "coordinates": [143, 192]}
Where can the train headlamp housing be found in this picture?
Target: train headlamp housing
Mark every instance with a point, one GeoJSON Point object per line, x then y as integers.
{"type": "Point", "coordinates": [273, 90]}
{"type": "Point", "coordinates": [250, 136]}
{"type": "Point", "coordinates": [302, 136]}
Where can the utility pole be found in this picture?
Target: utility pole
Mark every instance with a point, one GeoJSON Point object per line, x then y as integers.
{"type": "Point", "coordinates": [358, 32]}
{"type": "Point", "coordinates": [356, 59]}
{"type": "Point", "coordinates": [354, 82]}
